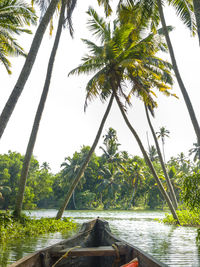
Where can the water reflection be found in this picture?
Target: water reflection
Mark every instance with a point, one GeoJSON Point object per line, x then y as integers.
{"type": "Point", "coordinates": [173, 245]}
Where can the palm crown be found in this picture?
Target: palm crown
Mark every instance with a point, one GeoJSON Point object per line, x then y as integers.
{"type": "Point", "coordinates": [125, 56]}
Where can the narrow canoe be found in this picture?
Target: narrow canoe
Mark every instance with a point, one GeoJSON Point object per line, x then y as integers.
{"type": "Point", "coordinates": [93, 246]}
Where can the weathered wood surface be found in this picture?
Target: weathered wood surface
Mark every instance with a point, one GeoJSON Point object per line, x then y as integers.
{"type": "Point", "coordinates": [92, 251]}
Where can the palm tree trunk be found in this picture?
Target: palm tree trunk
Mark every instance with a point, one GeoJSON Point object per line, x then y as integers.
{"type": "Point", "coordinates": [169, 184]}
{"type": "Point", "coordinates": [85, 163]}
{"type": "Point", "coordinates": [163, 148]}
{"type": "Point", "coordinates": [178, 76]}
{"type": "Point", "coordinates": [38, 116]}
{"type": "Point", "coordinates": [148, 161]}
{"type": "Point", "coordinates": [73, 197]}
{"type": "Point", "coordinates": [132, 196]}
{"type": "Point", "coordinates": [26, 70]}
{"type": "Point", "coordinates": [196, 4]}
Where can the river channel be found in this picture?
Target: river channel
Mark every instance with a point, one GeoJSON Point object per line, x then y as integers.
{"type": "Point", "coordinates": [172, 245]}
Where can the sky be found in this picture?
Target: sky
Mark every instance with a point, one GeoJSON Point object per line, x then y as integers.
{"type": "Point", "coordinates": [65, 127]}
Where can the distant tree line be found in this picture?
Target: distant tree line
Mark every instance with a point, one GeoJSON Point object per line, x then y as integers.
{"type": "Point", "coordinates": [113, 180]}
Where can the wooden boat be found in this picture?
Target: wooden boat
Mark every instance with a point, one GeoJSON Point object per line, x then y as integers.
{"type": "Point", "coordinates": [93, 246]}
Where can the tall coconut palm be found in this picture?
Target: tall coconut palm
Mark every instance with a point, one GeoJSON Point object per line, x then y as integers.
{"type": "Point", "coordinates": [138, 176]}
{"type": "Point", "coordinates": [14, 15]}
{"type": "Point", "coordinates": [38, 116]}
{"type": "Point", "coordinates": [153, 154]}
{"type": "Point", "coordinates": [154, 9]}
{"type": "Point", "coordinates": [109, 182]}
{"type": "Point", "coordinates": [123, 54]}
{"type": "Point", "coordinates": [70, 170]}
{"type": "Point", "coordinates": [111, 153]}
{"type": "Point", "coordinates": [162, 134]}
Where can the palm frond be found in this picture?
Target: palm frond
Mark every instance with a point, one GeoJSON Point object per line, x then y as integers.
{"type": "Point", "coordinates": [98, 26]}
{"type": "Point", "coordinates": [107, 7]}
{"type": "Point", "coordinates": [185, 11]}
{"type": "Point", "coordinates": [71, 4]}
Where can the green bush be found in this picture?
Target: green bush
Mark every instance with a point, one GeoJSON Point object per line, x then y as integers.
{"type": "Point", "coordinates": [186, 218]}
{"type": "Point", "coordinates": [11, 228]}
{"type": "Point", "coordinates": [190, 193]}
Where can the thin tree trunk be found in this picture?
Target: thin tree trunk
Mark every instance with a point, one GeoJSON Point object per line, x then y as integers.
{"type": "Point", "coordinates": [132, 196]}
{"type": "Point", "coordinates": [148, 161]}
{"type": "Point", "coordinates": [38, 116]}
{"type": "Point", "coordinates": [163, 148]}
{"type": "Point", "coordinates": [169, 184]}
{"type": "Point", "coordinates": [196, 4]}
{"type": "Point", "coordinates": [74, 203]}
{"type": "Point", "coordinates": [178, 76]}
{"type": "Point", "coordinates": [26, 70]}
{"type": "Point", "coordinates": [85, 163]}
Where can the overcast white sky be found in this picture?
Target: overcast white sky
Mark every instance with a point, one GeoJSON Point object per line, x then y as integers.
{"type": "Point", "coordinates": [65, 127]}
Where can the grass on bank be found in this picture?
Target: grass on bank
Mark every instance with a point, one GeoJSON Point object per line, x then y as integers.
{"type": "Point", "coordinates": [11, 228]}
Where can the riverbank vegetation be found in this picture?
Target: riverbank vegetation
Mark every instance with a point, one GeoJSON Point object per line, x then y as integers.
{"type": "Point", "coordinates": [10, 228]}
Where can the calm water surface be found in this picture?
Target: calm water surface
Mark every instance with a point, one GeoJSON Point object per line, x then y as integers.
{"type": "Point", "coordinates": [174, 246]}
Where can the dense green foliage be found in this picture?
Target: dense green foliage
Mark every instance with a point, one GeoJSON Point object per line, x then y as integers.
{"type": "Point", "coordinates": [113, 180]}
{"type": "Point", "coordinates": [11, 228]}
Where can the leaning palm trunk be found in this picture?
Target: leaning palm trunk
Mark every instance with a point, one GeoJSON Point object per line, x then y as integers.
{"type": "Point", "coordinates": [196, 4]}
{"type": "Point", "coordinates": [26, 70]}
{"type": "Point", "coordinates": [148, 161]}
{"type": "Point", "coordinates": [85, 163]}
{"type": "Point", "coordinates": [178, 76]}
{"type": "Point", "coordinates": [38, 116]}
{"type": "Point", "coordinates": [169, 184]}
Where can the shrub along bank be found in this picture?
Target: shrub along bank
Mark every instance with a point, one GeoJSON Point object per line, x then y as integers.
{"type": "Point", "coordinates": [11, 228]}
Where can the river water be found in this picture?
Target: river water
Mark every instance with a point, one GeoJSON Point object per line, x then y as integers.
{"type": "Point", "coordinates": [172, 245]}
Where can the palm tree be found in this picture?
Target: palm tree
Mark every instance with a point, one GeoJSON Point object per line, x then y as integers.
{"type": "Point", "coordinates": [70, 170]}
{"type": "Point", "coordinates": [123, 54]}
{"type": "Point", "coordinates": [138, 176]}
{"type": "Point", "coordinates": [153, 154]}
{"type": "Point", "coordinates": [111, 153]}
{"type": "Point", "coordinates": [38, 116]}
{"type": "Point", "coordinates": [109, 182]}
{"type": "Point", "coordinates": [154, 9]}
{"type": "Point", "coordinates": [163, 132]}
{"type": "Point", "coordinates": [14, 15]}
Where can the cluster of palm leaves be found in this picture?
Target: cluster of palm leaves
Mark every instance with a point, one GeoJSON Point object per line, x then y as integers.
{"type": "Point", "coordinates": [14, 14]}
